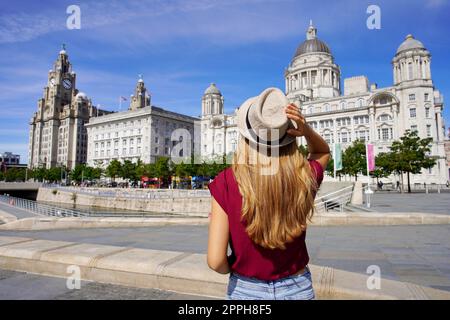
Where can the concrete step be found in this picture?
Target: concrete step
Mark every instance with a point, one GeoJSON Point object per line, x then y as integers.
{"type": "Point", "coordinates": [176, 271]}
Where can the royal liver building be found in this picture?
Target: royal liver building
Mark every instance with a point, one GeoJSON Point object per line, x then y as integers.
{"type": "Point", "coordinates": [58, 137]}
{"type": "Point", "coordinates": [361, 111]}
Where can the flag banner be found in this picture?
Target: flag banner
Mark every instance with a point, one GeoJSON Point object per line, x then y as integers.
{"type": "Point", "coordinates": [337, 157]}
{"type": "Point", "coordinates": [370, 154]}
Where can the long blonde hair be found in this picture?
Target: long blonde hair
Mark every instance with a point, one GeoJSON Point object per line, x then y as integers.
{"type": "Point", "coordinates": [276, 205]}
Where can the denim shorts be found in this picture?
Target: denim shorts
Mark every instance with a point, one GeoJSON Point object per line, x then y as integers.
{"type": "Point", "coordinates": [297, 287]}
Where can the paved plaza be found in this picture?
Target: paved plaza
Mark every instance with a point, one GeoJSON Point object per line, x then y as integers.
{"type": "Point", "coordinates": [417, 254]}
{"type": "Point", "coordinates": [25, 286]}
{"type": "Point", "coordinates": [412, 202]}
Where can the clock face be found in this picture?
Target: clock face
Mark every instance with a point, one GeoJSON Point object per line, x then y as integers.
{"type": "Point", "coordinates": [67, 83]}
{"type": "Point", "coordinates": [52, 82]}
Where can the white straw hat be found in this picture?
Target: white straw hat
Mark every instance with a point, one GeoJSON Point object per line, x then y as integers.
{"type": "Point", "coordinates": [262, 119]}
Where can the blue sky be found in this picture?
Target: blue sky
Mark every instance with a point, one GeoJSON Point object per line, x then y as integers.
{"type": "Point", "coordinates": [180, 46]}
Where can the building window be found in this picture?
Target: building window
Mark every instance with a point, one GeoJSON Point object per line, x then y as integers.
{"type": "Point", "coordinates": [156, 150]}
{"type": "Point", "coordinates": [344, 137]}
{"type": "Point", "coordinates": [313, 77]}
{"type": "Point", "coordinates": [412, 97]}
{"type": "Point", "coordinates": [427, 112]}
{"type": "Point", "coordinates": [414, 128]}
{"type": "Point", "coordinates": [386, 134]}
{"type": "Point", "coordinates": [426, 96]}
{"type": "Point", "coordinates": [412, 112]}
{"type": "Point", "coordinates": [428, 130]}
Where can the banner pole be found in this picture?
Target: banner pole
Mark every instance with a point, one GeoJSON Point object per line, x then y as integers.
{"type": "Point", "coordinates": [334, 161]}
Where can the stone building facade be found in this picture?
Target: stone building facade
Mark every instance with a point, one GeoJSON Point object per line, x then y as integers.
{"type": "Point", "coordinates": [142, 132]}
{"type": "Point", "coordinates": [219, 133]}
{"type": "Point", "coordinates": [57, 134]}
{"type": "Point", "coordinates": [359, 110]}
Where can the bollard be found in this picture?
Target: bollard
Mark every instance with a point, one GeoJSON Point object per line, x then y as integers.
{"type": "Point", "coordinates": [439, 189]}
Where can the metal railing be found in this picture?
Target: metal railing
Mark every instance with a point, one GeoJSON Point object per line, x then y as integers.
{"type": "Point", "coordinates": [334, 200]}
{"type": "Point", "coordinates": [135, 193]}
{"type": "Point", "coordinates": [40, 208]}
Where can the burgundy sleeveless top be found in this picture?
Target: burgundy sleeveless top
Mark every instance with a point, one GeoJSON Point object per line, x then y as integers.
{"type": "Point", "coordinates": [247, 258]}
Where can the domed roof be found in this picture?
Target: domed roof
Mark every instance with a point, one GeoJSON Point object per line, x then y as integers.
{"type": "Point", "coordinates": [81, 96]}
{"type": "Point", "coordinates": [312, 44]}
{"type": "Point", "coordinates": [409, 44]}
{"type": "Point", "coordinates": [212, 89]}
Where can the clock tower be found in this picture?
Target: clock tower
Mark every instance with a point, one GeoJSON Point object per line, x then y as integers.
{"type": "Point", "coordinates": [58, 137]}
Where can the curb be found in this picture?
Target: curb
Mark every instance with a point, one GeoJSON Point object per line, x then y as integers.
{"type": "Point", "coordinates": [54, 223]}
{"type": "Point", "coordinates": [6, 217]}
{"type": "Point", "coordinates": [177, 271]}
{"type": "Point", "coordinates": [326, 219]}
{"type": "Point", "coordinates": [379, 219]}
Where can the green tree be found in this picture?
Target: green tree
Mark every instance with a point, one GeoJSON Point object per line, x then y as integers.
{"type": "Point", "coordinates": [39, 174]}
{"type": "Point", "coordinates": [303, 150]}
{"type": "Point", "coordinates": [410, 155]}
{"type": "Point", "coordinates": [181, 170]}
{"type": "Point", "coordinates": [150, 170]}
{"type": "Point", "coordinates": [354, 159]}
{"type": "Point", "coordinates": [128, 170]}
{"type": "Point", "coordinates": [162, 169]}
{"type": "Point", "coordinates": [383, 165]}
{"type": "Point", "coordinates": [14, 174]}
{"type": "Point", "coordinates": [114, 168]}
{"type": "Point", "coordinates": [140, 169]}
{"type": "Point", "coordinates": [53, 174]}
{"type": "Point", "coordinates": [79, 173]}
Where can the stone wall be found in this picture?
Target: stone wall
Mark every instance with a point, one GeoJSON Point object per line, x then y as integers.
{"type": "Point", "coordinates": [195, 206]}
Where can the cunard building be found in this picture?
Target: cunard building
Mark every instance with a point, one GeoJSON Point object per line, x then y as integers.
{"type": "Point", "coordinates": [58, 136]}
{"type": "Point", "coordinates": [358, 110]}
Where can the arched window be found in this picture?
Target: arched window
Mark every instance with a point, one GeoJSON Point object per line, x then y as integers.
{"type": "Point", "coordinates": [384, 117]}
{"type": "Point", "coordinates": [342, 105]}
{"type": "Point", "coordinates": [327, 107]}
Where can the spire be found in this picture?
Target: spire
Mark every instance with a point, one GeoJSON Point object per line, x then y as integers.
{"type": "Point", "coordinates": [311, 33]}
{"type": "Point", "coordinates": [63, 49]}
{"type": "Point", "coordinates": [141, 79]}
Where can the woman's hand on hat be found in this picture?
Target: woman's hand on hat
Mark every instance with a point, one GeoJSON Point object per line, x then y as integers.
{"type": "Point", "coordinates": [293, 113]}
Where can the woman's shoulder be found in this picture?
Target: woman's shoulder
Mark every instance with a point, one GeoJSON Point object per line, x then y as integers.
{"type": "Point", "coordinates": [219, 186]}
{"type": "Point", "coordinates": [318, 170]}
